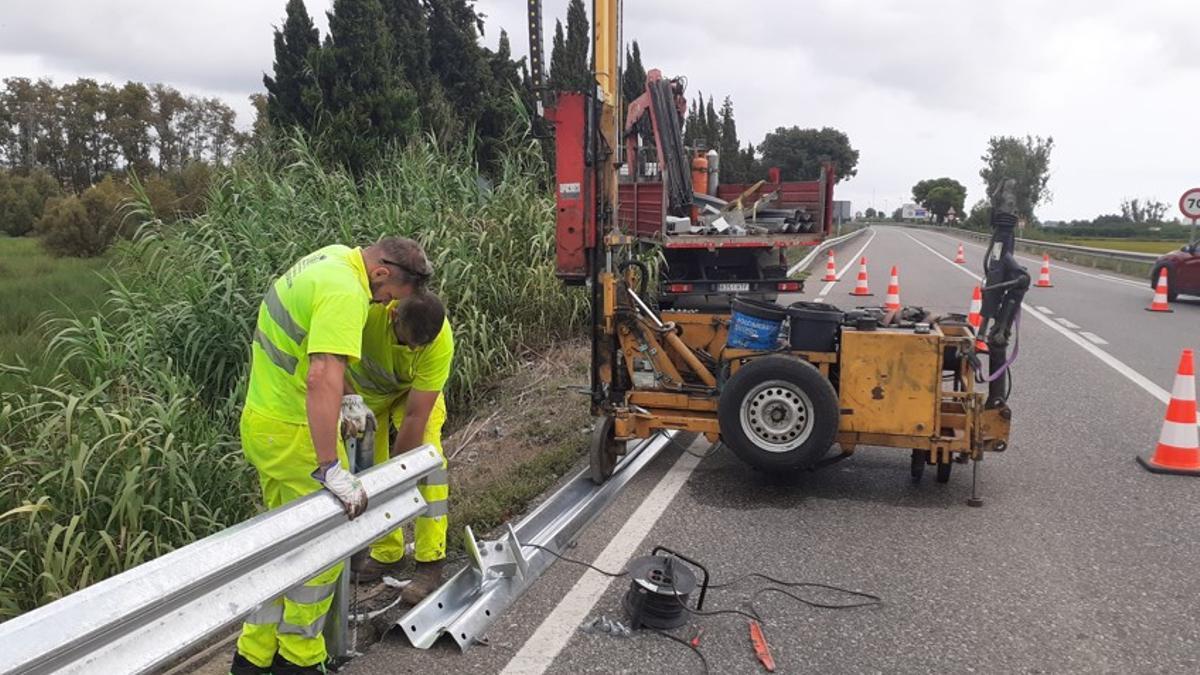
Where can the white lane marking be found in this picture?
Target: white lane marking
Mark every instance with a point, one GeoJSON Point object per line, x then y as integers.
{"type": "Point", "coordinates": [1044, 310]}
{"type": "Point", "coordinates": [1111, 361]}
{"type": "Point", "coordinates": [854, 258]}
{"type": "Point", "coordinates": [1067, 323]}
{"type": "Point", "coordinates": [1093, 338]}
{"type": "Point", "coordinates": [540, 650]}
{"type": "Point", "coordinates": [1038, 263]}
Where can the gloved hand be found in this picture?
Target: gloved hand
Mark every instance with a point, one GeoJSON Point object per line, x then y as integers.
{"type": "Point", "coordinates": [345, 486]}
{"type": "Point", "coordinates": [356, 417]}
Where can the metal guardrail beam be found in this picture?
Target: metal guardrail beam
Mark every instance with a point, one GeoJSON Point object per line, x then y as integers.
{"type": "Point", "coordinates": [466, 605]}
{"type": "Point", "coordinates": [808, 260]}
{"type": "Point", "coordinates": [144, 617]}
{"type": "Point", "coordinates": [1111, 254]}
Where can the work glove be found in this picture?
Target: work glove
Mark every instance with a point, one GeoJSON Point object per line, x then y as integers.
{"type": "Point", "coordinates": [345, 486]}
{"type": "Point", "coordinates": [356, 417]}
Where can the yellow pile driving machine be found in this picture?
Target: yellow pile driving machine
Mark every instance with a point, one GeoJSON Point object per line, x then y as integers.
{"type": "Point", "coordinates": [779, 386]}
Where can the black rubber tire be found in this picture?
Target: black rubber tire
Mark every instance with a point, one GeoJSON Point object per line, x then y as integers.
{"type": "Point", "coordinates": [603, 452]}
{"type": "Point", "coordinates": [822, 418]}
{"type": "Point", "coordinates": [943, 472]}
{"type": "Point", "coordinates": [920, 458]}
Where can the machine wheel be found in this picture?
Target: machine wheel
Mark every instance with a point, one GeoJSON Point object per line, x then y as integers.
{"type": "Point", "coordinates": [778, 413]}
{"type": "Point", "coordinates": [604, 452]}
{"type": "Point", "coordinates": [919, 459]}
{"type": "Point", "coordinates": [943, 471]}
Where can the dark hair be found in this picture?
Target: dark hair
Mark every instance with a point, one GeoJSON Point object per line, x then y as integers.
{"type": "Point", "coordinates": [422, 315]}
{"type": "Point", "coordinates": [408, 256]}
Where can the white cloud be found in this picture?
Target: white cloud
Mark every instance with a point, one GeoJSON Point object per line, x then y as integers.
{"type": "Point", "coordinates": [919, 85]}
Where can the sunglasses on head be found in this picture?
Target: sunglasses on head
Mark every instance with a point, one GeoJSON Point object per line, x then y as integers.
{"type": "Point", "coordinates": [406, 269]}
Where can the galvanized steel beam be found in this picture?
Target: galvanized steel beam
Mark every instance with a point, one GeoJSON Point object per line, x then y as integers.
{"type": "Point", "coordinates": [143, 618]}
{"type": "Point", "coordinates": [466, 605]}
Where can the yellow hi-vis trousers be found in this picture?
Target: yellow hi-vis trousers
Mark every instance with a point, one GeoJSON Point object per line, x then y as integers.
{"type": "Point", "coordinates": [429, 529]}
{"type": "Point", "coordinates": [291, 625]}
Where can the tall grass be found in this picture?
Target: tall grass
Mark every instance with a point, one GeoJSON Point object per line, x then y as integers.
{"type": "Point", "coordinates": [33, 283]}
{"type": "Point", "coordinates": [130, 450]}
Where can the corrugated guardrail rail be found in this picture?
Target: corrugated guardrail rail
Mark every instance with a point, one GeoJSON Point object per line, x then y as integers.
{"type": "Point", "coordinates": [808, 260]}
{"type": "Point", "coordinates": [147, 616]}
{"type": "Point", "coordinates": [1130, 262]}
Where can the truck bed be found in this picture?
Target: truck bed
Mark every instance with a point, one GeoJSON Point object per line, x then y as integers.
{"type": "Point", "coordinates": [712, 241]}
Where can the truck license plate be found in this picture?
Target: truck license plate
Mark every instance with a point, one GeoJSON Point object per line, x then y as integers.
{"type": "Point", "coordinates": [732, 288]}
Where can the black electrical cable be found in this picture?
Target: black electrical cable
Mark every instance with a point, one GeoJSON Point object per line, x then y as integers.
{"type": "Point", "coordinates": [615, 575]}
{"type": "Point", "coordinates": [685, 643]}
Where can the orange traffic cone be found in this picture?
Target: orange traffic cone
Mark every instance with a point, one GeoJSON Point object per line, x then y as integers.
{"type": "Point", "coordinates": [961, 258]}
{"type": "Point", "coordinates": [975, 319]}
{"type": "Point", "coordinates": [830, 268]}
{"type": "Point", "coordinates": [892, 301]}
{"type": "Point", "coordinates": [1159, 303]}
{"type": "Point", "coordinates": [1178, 448]}
{"type": "Point", "coordinates": [861, 287]}
{"type": "Point", "coordinates": [1044, 278]}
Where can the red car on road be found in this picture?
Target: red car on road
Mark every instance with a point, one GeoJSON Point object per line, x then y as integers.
{"type": "Point", "coordinates": [1183, 271]}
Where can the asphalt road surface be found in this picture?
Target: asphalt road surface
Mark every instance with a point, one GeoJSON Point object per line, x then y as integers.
{"type": "Point", "coordinates": [1079, 561]}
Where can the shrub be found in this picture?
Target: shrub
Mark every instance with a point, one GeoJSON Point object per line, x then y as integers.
{"type": "Point", "coordinates": [23, 200]}
{"type": "Point", "coordinates": [87, 225]}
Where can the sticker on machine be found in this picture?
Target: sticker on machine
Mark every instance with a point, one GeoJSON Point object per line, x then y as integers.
{"type": "Point", "coordinates": [569, 190]}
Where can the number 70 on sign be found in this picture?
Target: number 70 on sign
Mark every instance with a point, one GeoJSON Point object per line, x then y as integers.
{"type": "Point", "coordinates": [1189, 204]}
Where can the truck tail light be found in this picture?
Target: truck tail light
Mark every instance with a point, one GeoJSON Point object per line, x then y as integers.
{"type": "Point", "coordinates": [787, 286]}
{"type": "Point", "coordinates": [679, 288]}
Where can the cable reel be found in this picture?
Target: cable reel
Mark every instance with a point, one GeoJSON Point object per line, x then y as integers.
{"type": "Point", "coordinates": [660, 588]}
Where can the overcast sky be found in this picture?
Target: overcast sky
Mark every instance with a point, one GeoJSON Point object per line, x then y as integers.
{"type": "Point", "coordinates": [919, 85]}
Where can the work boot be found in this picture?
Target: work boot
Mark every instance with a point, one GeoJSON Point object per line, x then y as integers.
{"type": "Point", "coordinates": [282, 666]}
{"type": "Point", "coordinates": [242, 666]}
{"type": "Point", "coordinates": [368, 570]}
{"type": "Point", "coordinates": [424, 581]}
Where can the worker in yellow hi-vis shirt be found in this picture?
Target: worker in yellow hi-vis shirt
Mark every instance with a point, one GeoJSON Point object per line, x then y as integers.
{"type": "Point", "coordinates": [407, 351]}
{"type": "Point", "coordinates": [309, 330]}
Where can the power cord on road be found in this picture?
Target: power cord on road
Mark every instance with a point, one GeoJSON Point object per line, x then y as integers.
{"type": "Point", "coordinates": [780, 587]}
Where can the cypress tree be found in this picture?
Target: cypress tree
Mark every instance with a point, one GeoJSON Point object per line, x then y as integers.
{"type": "Point", "coordinates": [578, 73]}
{"type": "Point", "coordinates": [712, 125]}
{"type": "Point", "coordinates": [368, 103]}
{"type": "Point", "coordinates": [729, 147]}
{"type": "Point", "coordinates": [633, 80]}
{"type": "Point", "coordinates": [292, 94]}
{"type": "Point", "coordinates": [558, 59]}
{"type": "Point", "coordinates": [457, 59]}
{"type": "Point", "coordinates": [408, 23]}
{"type": "Point", "coordinates": [691, 126]}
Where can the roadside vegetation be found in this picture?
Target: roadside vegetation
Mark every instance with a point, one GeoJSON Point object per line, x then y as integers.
{"type": "Point", "coordinates": [127, 449]}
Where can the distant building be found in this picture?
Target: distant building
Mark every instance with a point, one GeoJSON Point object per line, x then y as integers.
{"type": "Point", "coordinates": [841, 211]}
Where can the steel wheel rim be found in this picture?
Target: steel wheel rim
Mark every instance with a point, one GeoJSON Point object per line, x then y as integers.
{"type": "Point", "coordinates": [777, 416]}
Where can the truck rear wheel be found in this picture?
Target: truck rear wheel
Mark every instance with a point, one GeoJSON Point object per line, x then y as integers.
{"type": "Point", "coordinates": [778, 413]}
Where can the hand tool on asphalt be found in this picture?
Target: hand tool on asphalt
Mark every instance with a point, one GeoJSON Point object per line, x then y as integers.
{"type": "Point", "coordinates": [761, 649]}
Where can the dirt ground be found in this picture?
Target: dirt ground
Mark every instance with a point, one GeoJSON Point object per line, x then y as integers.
{"type": "Point", "coordinates": [526, 431]}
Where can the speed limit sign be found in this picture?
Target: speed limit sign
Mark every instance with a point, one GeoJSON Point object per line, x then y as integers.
{"type": "Point", "coordinates": [1189, 203]}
